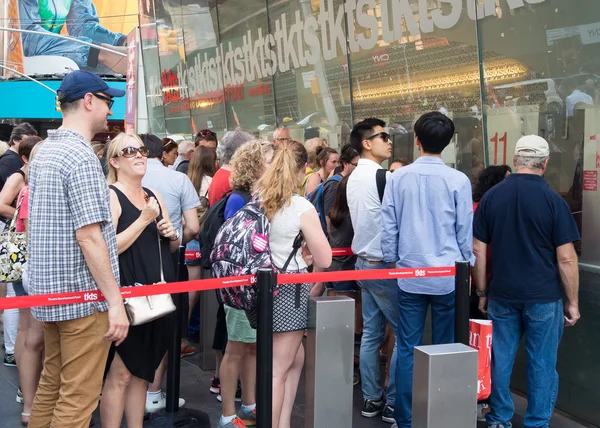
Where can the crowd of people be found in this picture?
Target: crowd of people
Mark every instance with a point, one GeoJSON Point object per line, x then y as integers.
{"type": "Point", "coordinates": [119, 222]}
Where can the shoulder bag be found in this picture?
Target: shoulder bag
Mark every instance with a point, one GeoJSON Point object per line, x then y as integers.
{"type": "Point", "coordinates": [144, 309]}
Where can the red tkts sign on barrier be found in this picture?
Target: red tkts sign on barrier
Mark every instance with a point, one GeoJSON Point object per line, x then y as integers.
{"type": "Point", "coordinates": [215, 283]}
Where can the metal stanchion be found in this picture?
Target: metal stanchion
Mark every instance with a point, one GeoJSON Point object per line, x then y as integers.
{"type": "Point", "coordinates": [174, 365]}
{"type": "Point", "coordinates": [264, 348]}
{"type": "Point", "coordinates": [461, 305]}
{"type": "Point", "coordinates": [172, 416]}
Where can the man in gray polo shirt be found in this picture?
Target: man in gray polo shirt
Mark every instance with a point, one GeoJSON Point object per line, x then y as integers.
{"type": "Point", "coordinates": [181, 200]}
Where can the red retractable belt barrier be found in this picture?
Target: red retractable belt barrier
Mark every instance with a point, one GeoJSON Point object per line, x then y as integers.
{"type": "Point", "coordinates": [215, 283]}
{"type": "Point", "coordinates": [193, 254]}
{"type": "Point", "coordinates": [336, 252]}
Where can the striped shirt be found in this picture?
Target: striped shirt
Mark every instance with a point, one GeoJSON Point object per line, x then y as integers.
{"type": "Point", "coordinates": [68, 191]}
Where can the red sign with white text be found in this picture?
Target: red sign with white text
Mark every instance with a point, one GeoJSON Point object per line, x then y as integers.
{"type": "Point", "coordinates": [590, 180]}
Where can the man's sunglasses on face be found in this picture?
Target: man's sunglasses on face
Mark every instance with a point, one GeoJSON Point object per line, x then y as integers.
{"type": "Point", "coordinates": [384, 136]}
{"type": "Point", "coordinates": [108, 100]}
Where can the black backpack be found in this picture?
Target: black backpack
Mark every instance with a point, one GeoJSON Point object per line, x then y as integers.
{"type": "Point", "coordinates": [214, 219]}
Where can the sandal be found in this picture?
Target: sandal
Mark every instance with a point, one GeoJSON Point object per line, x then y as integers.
{"type": "Point", "coordinates": [25, 415]}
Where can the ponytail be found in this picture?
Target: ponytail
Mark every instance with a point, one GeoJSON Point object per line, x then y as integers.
{"type": "Point", "coordinates": [280, 182]}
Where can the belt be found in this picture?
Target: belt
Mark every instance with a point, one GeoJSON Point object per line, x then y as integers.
{"type": "Point", "coordinates": [375, 263]}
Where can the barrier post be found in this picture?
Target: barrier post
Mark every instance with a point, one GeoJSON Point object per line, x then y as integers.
{"type": "Point", "coordinates": [461, 303]}
{"type": "Point", "coordinates": [266, 278]}
{"type": "Point", "coordinates": [174, 364]}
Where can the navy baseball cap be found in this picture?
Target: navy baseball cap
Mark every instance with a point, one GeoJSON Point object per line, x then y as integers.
{"type": "Point", "coordinates": [79, 82]}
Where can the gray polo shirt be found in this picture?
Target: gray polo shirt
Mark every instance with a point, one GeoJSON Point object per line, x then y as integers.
{"type": "Point", "coordinates": [175, 188]}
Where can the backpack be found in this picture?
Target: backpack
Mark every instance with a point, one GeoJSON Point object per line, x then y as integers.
{"type": "Point", "coordinates": [318, 200]}
{"type": "Point", "coordinates": [213, 220]}
{"type": "Point", "coordinates": [242, 248]}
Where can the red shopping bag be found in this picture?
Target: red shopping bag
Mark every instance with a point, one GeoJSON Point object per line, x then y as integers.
{"type": "Point", "coordinates": [480, 338]}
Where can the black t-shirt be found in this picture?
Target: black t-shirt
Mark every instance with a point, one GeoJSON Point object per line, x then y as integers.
{"type": "Point", "coordinates": [10, 163]}
{"type": "Point", "coordinates": [524, 221]}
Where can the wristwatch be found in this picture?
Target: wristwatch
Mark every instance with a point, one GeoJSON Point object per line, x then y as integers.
{"type": "Point", "coordinates": [482, 293]}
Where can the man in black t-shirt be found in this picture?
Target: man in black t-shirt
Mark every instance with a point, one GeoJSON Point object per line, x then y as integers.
{"type": "Point", "coordinates": [10, 162]}
{"type": "Point", "coordinates": [531, 232]}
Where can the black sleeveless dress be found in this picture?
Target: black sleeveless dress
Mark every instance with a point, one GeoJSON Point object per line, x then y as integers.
{"type": "Point", "coordinates": [146, 344]}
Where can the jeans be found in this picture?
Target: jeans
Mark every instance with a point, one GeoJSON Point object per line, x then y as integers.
{"type": "Point", "coordinates": [377, 308]}
{"type": "Point", "coordinates": [543, 325]}
{"type": "Point", "coordinates": [411, 325]}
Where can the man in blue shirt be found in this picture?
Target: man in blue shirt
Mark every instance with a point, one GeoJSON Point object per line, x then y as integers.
{"type": "Point", "coordinates": [427, 217]}
{"type": "Point", "coordinates": [531, 232]}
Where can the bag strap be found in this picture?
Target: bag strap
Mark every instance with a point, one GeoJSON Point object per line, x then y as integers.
{"type": "Point", "coordinates": [162, 276]}
{"type": "Point", "coordinates": [381, 180]}
{"type": "Point", "coordinates": [13, 222]}
{"type": "Point", "coordinates": [295, 247]}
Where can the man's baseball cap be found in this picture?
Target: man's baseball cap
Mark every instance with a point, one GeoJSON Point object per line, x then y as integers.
{"type": "Point", "coordinates": [79, 82]}
{"type": "Point", "coordinates": [532, 146]}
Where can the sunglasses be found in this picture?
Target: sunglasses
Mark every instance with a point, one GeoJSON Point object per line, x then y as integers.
{"type": "Point", "coordinates": [384, 136]}
{"type": "Point", "coordinates": [207, 133]}
{"type": "Point", "coordinates": [131, 152]}
{"type": "Point", "coordinates": [109, 101]}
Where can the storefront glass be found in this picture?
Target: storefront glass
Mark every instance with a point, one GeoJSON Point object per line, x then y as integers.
{"type": "Point", "coordinates": [499, 68]}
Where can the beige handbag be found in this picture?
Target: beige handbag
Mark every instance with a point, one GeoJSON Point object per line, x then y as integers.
{"type": "Point", "coordinates": [141, 310]}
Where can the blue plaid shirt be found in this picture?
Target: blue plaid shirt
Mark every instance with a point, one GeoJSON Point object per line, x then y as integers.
{"type": "Point", "coordinates": [67, 191]}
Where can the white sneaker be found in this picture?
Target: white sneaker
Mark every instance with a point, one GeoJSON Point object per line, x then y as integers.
{"type": "Point", "coordinates": [480, 414]}
{"type": "Point", "coordinates": [155, 406]}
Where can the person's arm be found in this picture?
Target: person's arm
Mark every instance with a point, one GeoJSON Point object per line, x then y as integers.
{"type": "Point", "coordinates": [126, 238]}
{"type": "Point", "coordinates": [9, 192]}
{"type": "Point", "coordinates": [88, 199]}
{"type": "Point", "coordinates": [464, 221]}
{"type": "Point", "coordinates": [569, 275]}
{"type": "Point", "coordinates": [480, 271]}
{"type": "Point", "coordinates": [165, 227]}
{"type": "Point", "coordinates": [189, 202]}
{"type": "Point", "coordinates": [316, 241]}
{"type": "Point", "coordinates": [95, 251]}
{"type": "Point", "coordinates": [313, 182]}
{"type": "Point", "coordinates": [390, 232]}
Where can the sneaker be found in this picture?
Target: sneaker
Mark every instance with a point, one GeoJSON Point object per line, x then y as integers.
{"type": "Point", "coordinates": [9, 360]}
{"type": "Point", "coordinates": [238, 394]}
{"type": "Point", "coordinates": [155, 406]}
{"type": "Point", "coordinates": [20, 396]}
{"type": "Point", "coordinates": [215, 385]}
{"type": "Point", "coordinates": [480, 408]}
{"type": "Point", "coordinates": [372, 408]}
{"type": "Point", "coordinates": [187, 350]}
{"type": "Point", "coordinates": [248, 418]}
{"type": "Point", "coordinates": [236, 423]}
{"type": "Point", "coordinates": [387, 415]}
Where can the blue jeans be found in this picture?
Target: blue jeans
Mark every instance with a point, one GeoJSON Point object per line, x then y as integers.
{"type": "Point", "coordinates": [377, 308]}
{"type": "Point", "coordinates": [411, 325]}
{"type": "Point", "coordinates": [543, 325]}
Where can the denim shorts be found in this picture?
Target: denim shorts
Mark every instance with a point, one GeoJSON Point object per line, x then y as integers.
{"type": "Point", "coordinates": [19, 289]}
{"type": "Point", "coordinates": [193, 245]}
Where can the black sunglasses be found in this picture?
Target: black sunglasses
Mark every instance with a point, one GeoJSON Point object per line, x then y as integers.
{"type": "Point", "coordinates": [207, 133]}
{"type": "Point", "coordinates": [109, 101]}
{"type": "Point", "coordinates": [131, 152]}
{"type": "Point", "coordinates": [384, 136]}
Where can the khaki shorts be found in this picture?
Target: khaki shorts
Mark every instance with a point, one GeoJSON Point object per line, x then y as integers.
{"type": "Point", "coordinates": [238, 326]}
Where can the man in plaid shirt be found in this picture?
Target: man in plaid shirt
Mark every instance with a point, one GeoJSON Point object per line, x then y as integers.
{"type": "Point", "coordinates": [73, 247]}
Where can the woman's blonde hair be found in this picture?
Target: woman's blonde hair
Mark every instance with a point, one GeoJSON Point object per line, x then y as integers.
{"type": "Point", "coordinates": [114, 150]}
{"type": "Point", "coordinates": [247, 166]}
{"type": "Point", "coordinates": [281, 182]}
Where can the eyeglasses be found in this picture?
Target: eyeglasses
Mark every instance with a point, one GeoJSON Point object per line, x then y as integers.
{"type": "Point", "coordinates": [384, 136]}
{"type": "Point", "coordinates": [354, 164]}
{"type": "Point", "coordinates": [109, 101]}
{"type": "Point", "coordinates": [207, 133]}
{"type": "Point", "coordinates": [131, 152]}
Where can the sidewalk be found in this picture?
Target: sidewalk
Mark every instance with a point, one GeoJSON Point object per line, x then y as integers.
{"type": "Point", "coordinates": [194, 388]}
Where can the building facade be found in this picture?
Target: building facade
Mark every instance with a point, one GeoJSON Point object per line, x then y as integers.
{"type": "Point", "coordinates": [499, 68]}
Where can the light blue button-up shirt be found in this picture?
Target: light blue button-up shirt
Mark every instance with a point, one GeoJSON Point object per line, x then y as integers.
{"type": "Point", "coordinates": [427, 221]}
